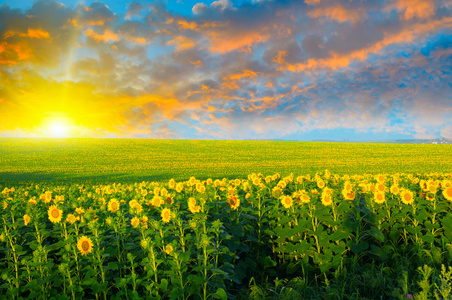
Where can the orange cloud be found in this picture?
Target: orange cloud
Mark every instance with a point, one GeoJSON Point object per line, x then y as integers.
{"type": "Point", "coordinates": [414, 8]}
{"type": "Point", "coordinates": [138, 40]}
{"type": "Point", "coordinates": [11, 53]}
{"type": "Point", "coordinates": [182, 43]}
{"type": "Point", "coordinates": [223, 42]}
{"type": "Point", "coordinates": [185, 25]}
{"type": "Point", "coordinates": [37, 33]}
{"type": "Point", "coordinates": [106, 37]}
{"type": "Point", "coordinates": [336, 61]}
{"type": "Point", "coordinates": [230, 81]}
{"type": "Point", "coordinates": [338, 13]}
{"type": "Point", "coordinates": [31, 33]}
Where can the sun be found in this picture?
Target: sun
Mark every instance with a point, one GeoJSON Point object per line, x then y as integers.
{"type": "Point", "coordinates": [58, 130]}
{"type": "Point", "coordinates": [57, 127]}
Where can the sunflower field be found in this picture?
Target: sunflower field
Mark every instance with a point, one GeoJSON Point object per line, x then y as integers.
{"type": "Point", "coordinates": [228, 239]}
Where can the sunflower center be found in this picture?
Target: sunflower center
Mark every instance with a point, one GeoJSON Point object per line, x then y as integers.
{"type": "Point", "coordinates": [55, 213]}
{"type": "Point", "coordinates": [407, 197]}
{"type": "Point", "coordinates": [85, 245]}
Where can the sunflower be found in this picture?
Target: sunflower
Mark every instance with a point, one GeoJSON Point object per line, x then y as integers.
{"type": "Point", "coordinates": [135, 222]}
{"type": "Point", "coordinates": [234, 202]}
{"type": "Point", "coordinates": [144, 222]}
{"type": "Point", "coordinates": [71, 219]}
{"type": "Point", "coordinates": [380, 187]}
{"type": "Point", "coordinates": [200, 188]}
{"type": "Point", "coordinates": [163, 192]}
{"type": "Point", "coordinates": [277, 192]}
{"type": "Point", "coordinates": [168, 249]}
{"type": "Point", "coordinates": [363, 188]}
{"type": "Point", "coordinates": [256, 181]}
{"type": "Point", "coordinates": [192, 181]}
{"type": "Point", "coordinates": [286, 201]}
{"type": "Point", "coordinates": [305, 198]}
{"type": "Point", "coordinates": [55, 214]}
{"type": "Point", "coordinates": [447, 193]}
{"type": "Point", "coordinates": [347, 187]}
{"type": "Point", "coordinates": [282, 184]}
{"type": "Point", "coordinates": [380, 178]}
{"type": "Point", "coordinates": [156, 201]}
{"type": "Point", "coordinates": [79, 210]}
{"type": "Point", "coordinates": [113, 205]}
{"type": "Point", "coordinates": [172, 184]}
{"type": "Point", "coordinates": [166, 215]}
{"type": "Point", "coordinates": [300, 179]}
{"type": "Point", "coordinates": [407, 196]}
{"type": "Point", "coordinates": [430, 197]}
{"type": "Point", "coordinates": [194, 208]}
{"type": "Point", "coordinates": [47, 197]}
{"type": "Point", "coordinates": [379, 197]}
{"type": "Point", "coordinates": [326, 199]}
{"type": "Point", "coordinates": [179, 187]}
{"type": "Point", "coordinates": [394, 190]}
{"type": "Point", "coordinates": [348, 195]}
{"type": "Point", "coordinates": [320, 184]}
{"type": "Point", "coordinates": [138, 208]}
{"type": "Point", "coordinates": [32, 201]}
{"type": "Point", "coordinates": [191, 201]}
{"type": "Point", "coordinates": [144, 243]}
{"type": "Point", "coordinates": [26, 219]}
{"type": "Point", "coordinates": [85, 245]}
{"type": "Point", "coordinates": [169, 200]}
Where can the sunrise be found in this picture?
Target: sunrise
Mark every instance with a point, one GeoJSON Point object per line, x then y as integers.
{"type": "Point", "coordinates": [226, 149]}
{"type": "Point", "coordinates": [312, 70]}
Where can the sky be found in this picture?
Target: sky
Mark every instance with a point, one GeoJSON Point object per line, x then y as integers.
{"type": "Point", "coordinates": [355, 70]}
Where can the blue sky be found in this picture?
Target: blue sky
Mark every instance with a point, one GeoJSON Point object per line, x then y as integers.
{"type": "Point", "coordinates": [298, 70]}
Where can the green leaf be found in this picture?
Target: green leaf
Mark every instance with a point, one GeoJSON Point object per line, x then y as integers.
{"type": "Point", "coordinates": [195, 279]}
{"type": "Point", "coordinates": [292, 268]}
{"type": "Point", "coordinates": [163, 285]}
{"type": "Point", "coordinates": [176, 293]}
{"type": "Point", "coordinates": [218, 272]}
{"type": "Point", "coordinates": [268, 262]}
{"type": "Point", "coordinates": [220, 294]}
{"type": "Point", "coordinates": [113, 265]}
{"type": "Point", "coordinates": [428, 237]}
{"type": "Point", "coordinates": [358, 248]}
{"type": "Point", "coordinates": [376, 233]}
{"type": "Point", "coordinates": [339, 235]}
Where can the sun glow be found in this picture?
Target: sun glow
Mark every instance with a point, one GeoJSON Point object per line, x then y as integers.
{"type": "Point", "coordinates": [57, 127]}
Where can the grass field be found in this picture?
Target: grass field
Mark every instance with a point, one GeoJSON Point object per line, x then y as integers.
{"type": "Point", "coordinates": [131, 160]}
{"type": "Point", "coordinates": [104, 219]}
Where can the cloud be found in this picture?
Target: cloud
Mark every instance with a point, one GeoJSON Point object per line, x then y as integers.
{"type": "Point", "coordinates": [134, 9]}
{"type": "Point", "coordinates": [338, 13]}
{"type": "Point", "coordinates": [265, 69]}
{"type": "Point", "coordinates": [218, 6]}
{"type": "Point", "coordinates": [200, 8]}
{"type": "Point", "coordinates": [410, 9]}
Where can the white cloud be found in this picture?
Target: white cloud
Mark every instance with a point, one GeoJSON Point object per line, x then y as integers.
{"type": "Point", "coordinates": [222, 5]}
{"type": "Point", "coordinates": [199, 8]}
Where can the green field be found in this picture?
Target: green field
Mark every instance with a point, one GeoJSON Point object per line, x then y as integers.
{"type": "Point", "coordinates": [130, 160]}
